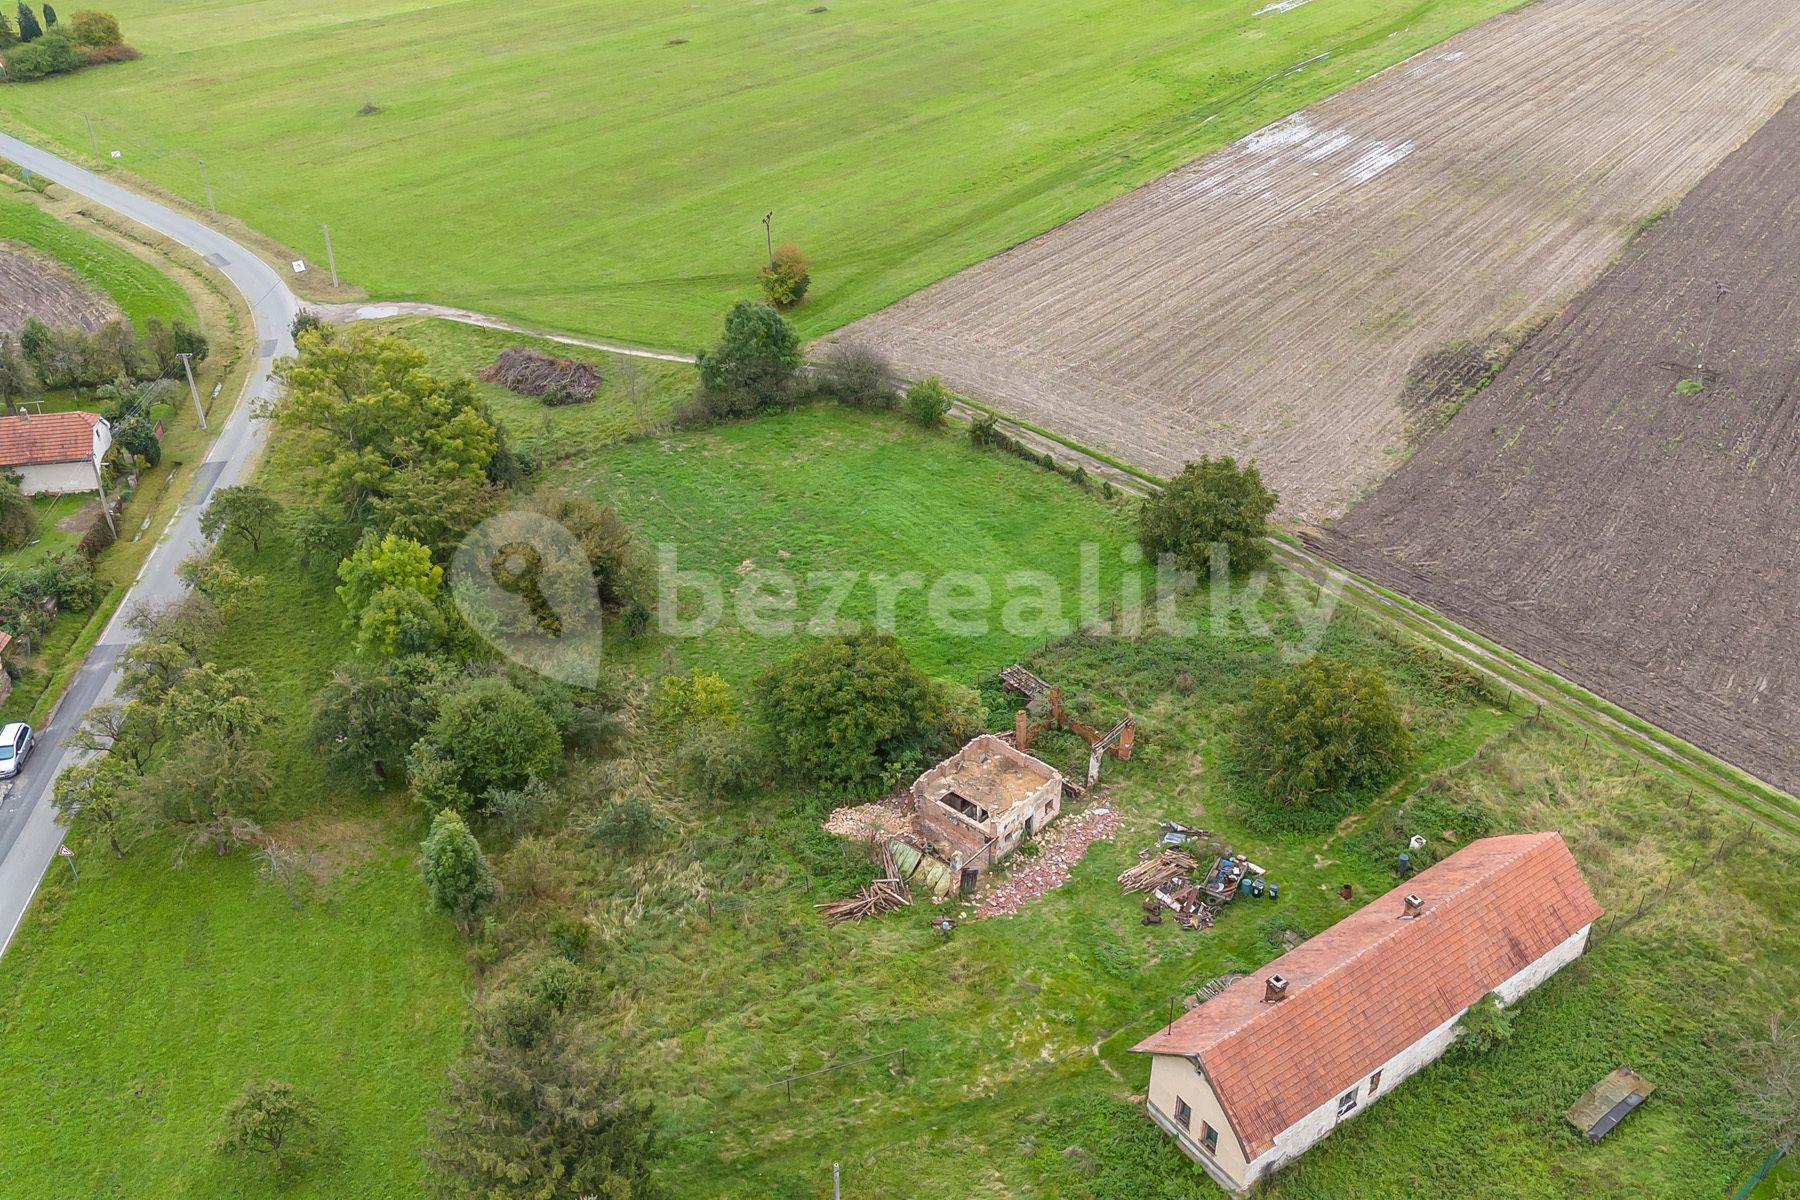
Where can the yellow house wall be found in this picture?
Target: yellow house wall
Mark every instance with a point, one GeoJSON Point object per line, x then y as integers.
{"type": "Point", "coordinates": [1173, 1078]}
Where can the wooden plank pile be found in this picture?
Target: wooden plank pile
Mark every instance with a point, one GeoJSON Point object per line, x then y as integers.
{"type": "Point", "coordinates": [1153, 873]}
{"type": "Point", "coordinates": [884, 895]}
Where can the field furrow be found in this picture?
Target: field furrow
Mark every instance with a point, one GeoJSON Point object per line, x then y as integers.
{"type": "Point", "coordinates": [1271, 300]}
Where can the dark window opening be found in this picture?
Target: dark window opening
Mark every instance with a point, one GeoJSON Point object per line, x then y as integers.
{"type": "Point", "coordinates": [965, 806]}
{"type": "Point", "coordinates": [1209, 1138]}
{"type": "Point", "coordinates": [1346, 1102]}
{"type": "Point", "coordinates": [1184, 1113]}
{"type": "Point", "coordinates": [1374, 1082]}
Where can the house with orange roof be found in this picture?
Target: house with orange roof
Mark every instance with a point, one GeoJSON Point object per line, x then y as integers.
{"type": "Point", "coordinates": [60, 452]}
{"type": "Point", "coordinates": [1255, 1076]}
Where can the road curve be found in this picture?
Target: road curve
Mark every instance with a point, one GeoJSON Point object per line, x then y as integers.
{"type": "Point", "coordinates": [29, 833]}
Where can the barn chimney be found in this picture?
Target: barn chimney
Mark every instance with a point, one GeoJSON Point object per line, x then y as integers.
{"type": "Point", "coordinates": [1276, 990]}
{"type": "Point", "coordinates": [1415, 907]}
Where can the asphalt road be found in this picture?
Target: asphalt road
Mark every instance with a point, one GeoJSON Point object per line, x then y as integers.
{"type": "Point", "coordinates": [29, 834]}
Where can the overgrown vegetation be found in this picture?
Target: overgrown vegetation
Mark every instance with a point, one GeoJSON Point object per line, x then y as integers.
{"type": "Point", "coordinates": [37, 50]}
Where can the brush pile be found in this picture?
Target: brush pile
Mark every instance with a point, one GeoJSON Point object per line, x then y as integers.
{"type": "Point", "coordinates": [1152, 873]}
{"type": "Point", "coordinates": [884, 895]}
{"type": "Point", "coordinates": [555, 381]}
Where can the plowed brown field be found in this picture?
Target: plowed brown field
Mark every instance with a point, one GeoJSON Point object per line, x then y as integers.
{"type": "Point", "coordinates": [1623, 502]}
{"type": "Point", "coordinates": [1270, 300]}
{"type": "Point", "coordinates": [30, 287]}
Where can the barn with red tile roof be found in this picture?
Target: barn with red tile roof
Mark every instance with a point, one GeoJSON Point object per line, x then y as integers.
{"type": "Point", "coordinates": [1250, 1079]}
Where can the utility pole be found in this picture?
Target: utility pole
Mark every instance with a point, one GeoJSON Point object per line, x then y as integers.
{"type": "Point", "coordinates": [105, 504]}
{"type": "Point", "coordinates": [187, 364]}
{"type": "Point", "coordinates": [329, 256]}
{"type": "Point", "coordinates": [207, 180]}
{"type": "Point", "coordinates": [768, 235]}
{"type": "Point", "coordinates": [835, 1194]}
{"type": "Point", "coordinates": [92, 138]}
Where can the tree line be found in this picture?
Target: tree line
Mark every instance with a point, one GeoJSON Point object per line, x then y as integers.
{"type": "Point", "coordinates": [34, 49]}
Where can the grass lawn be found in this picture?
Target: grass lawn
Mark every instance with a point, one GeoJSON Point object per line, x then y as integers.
{"type": "Point", "coordinates": [135, 1004]}
{"type": "Point", "coordinates": [606, 168]}
{"type": "Point", "coordinates": [138, 289]}
{"type": "Point", "coordinates": [825, 494]}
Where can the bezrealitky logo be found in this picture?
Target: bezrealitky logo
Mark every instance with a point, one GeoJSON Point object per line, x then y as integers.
{"type": "Point", "coordinates": [523, 583]}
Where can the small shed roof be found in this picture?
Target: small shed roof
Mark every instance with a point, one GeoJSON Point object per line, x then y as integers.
{"type": "Point", "coordinates": [1608, 1102]}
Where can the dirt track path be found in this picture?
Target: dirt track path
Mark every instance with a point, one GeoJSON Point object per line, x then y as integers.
{"type": "Point", "coordinates": [1269, 299]}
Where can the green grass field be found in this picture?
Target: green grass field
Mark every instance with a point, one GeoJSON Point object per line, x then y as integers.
{"type": "Point", "coordinates": [138, 289]}
{"type": "Point", "coordinates": [606, 168]}
{"type": "Point", "coordinates": [825, 492]}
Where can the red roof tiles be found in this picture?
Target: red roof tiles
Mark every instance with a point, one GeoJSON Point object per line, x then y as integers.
{"type": "Point", "coordinates": [57, 437]}
{"type": "Point", "coordinates": [1374, 984]}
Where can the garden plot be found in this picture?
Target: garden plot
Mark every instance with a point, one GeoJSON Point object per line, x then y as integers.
{"type": "Point", "coordinates": [1623, 501]}
{"type": "Point", "coordinates": [1270, 300]}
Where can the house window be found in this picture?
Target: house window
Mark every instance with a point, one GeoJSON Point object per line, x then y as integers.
{"type": "Point", "coordinates": [1184, 1113]}
{"type": "Point", "coordinates": [1209, 1138]}
{"type": "Point", "coordinates": [1346, 1103]}
{"type": "Point", "coordinates": [1374, 1082]}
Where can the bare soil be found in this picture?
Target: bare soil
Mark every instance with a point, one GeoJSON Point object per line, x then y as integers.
{"type": "Point", "coordinates": [1623, 502]}
{"type": "Point", "coordinates": [1271, 300]}
{"type": "Point", "coordinates": [33, 286]}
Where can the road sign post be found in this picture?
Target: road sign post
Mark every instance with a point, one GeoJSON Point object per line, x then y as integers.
{"type": "Point", "coordinates": [330, 258]}
{"type": "Point", "coordinates": [65, 852]}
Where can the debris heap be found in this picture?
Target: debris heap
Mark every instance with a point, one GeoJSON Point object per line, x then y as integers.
{"type": "Point", "coordinates": [556, 381]}
{"type": "Point", "coordinates": [1060, 848]}
{"type": "Point", "coordinates": [1152, 873]}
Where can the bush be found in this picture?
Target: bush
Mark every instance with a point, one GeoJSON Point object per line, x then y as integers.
{"type": "Point", "coordinates": [695, 699]}
{"type": "Point", "coordinates": [754, 364]}
{"type": "Point", "coordinates": [1487, 1025]}
{"type": "Point", "coordinates": [457, 876]}
{"type": "Point", "coordinates": [927, 402]}
{"type": "Point", "coordinates": [90, 28]}
{"type": "Point", "coordinates": [625, 825]}
{"type": "Point", "coordinates": [18, 519]}
{"type": "Point", "coordinates": [52, 54]}
{"type": "Point", "coordinates": [722, 765]}
{"type": "Point", "coordinates": [494, 735]}
{"type": "Point", "coordinates": [846, 705]}
{"type": "Point", "coordinates": [100, 56]}
{"type": "Point", "coordinates": [857, 376]}
{"type": "Point", "coordinates": [1212, 502]}
{"type": "Point", "coordinates": [785, 280]}
{"type": "Point", "coordinates": [1319, 730]}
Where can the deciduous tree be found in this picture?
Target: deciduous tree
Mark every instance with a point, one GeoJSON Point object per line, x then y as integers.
{"type": "Point", "coordinates": [755, 360]}
{"type": "Point", "coordinates": [1319, 729]}
{"type": "Point", "coordinates": [845, 706]}
{"type": "Point", "coordinates": [370, 713]}
{"type": "Point", "coordinates": [268, 1117]}
{"type": "Point", "coordinates": [96, 795]}
{"type": "Point", "coordinates": [90, 28]}
{"type": "Point", "coordinates": [493, 735]}
{"type": "Point", "coordinates": [1212, 502]}
{"type": "Point", "coordinates": [245, 511]}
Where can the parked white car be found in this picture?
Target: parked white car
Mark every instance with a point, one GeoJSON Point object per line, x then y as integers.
{"type": "Point", "coordinates": [16, 741]}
